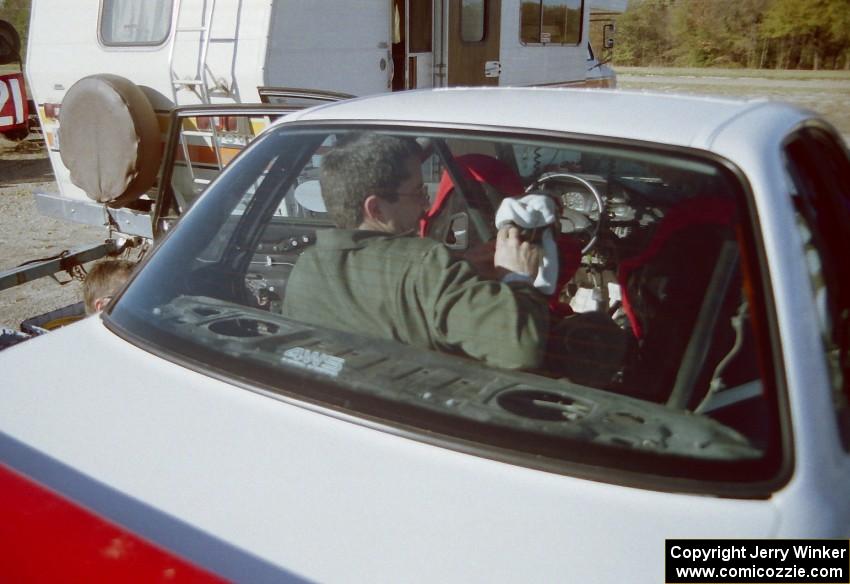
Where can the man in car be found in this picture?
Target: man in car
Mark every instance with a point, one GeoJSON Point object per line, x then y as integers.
{"type": "Point", "coordinates": [373, 276]}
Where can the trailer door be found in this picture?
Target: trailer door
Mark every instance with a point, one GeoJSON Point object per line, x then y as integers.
{"type": "Point", "coordinates": [412, 49]}
{"type": "Point", "coordinates": [330, 45]}
{"type": "Point", "coordinates": [474, 42]}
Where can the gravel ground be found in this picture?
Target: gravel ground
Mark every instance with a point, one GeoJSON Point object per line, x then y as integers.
{"type": "Point", "coordinates": [26, 235]}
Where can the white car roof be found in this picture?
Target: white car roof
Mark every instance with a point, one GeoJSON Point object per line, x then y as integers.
{"type": "Point", "coordinates": [678, 120]}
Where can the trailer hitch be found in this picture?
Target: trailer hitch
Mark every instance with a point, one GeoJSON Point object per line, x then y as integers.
{"type": "Point", "coordinates": [68, 261]}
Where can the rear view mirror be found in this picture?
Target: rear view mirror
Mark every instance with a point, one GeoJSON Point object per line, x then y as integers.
{"type": "Point", "coordinates": [608, 36]}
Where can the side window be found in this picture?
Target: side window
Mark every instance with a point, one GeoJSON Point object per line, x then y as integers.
{"type": "Point", "coordinates": [199, 146]}
{"type": "Point", "coordinates": [207, 144]}
{"type": "Point", "coordinates": [472, 21]}
{"type": "Point", "coordinates": [820, 172]}
{"type": "Point", "coordinates": [550, 21]}
{"type": "Point", "coordinates": [133, 23]}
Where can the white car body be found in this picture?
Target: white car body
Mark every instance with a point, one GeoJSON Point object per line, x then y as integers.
{"type": "Point", "coordinates": [256, 486]}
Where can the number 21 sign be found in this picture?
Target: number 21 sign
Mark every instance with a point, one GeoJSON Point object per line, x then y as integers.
{"type": "Point", "coordinates": [13, 102]}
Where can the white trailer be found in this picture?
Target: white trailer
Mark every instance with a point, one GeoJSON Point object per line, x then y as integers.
{"type": "Point", "coordinates": [225, 49]}
{"type": "Point", "coordinates": [174, 54]}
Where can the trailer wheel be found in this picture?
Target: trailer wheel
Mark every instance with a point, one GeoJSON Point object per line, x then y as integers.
{"type": "Point", "coordinates": [17, 135]}
{"type": "Point", "coordinates": [110, 139]}
{"type": "Point", "coordinates": [10, 44]}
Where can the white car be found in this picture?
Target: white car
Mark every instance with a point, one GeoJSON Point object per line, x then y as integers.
{"type": "Point", "coordinates": [695, 383]}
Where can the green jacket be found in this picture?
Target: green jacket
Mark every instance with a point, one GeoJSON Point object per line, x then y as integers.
{"type": "Point", "coordinates": [411, 290]}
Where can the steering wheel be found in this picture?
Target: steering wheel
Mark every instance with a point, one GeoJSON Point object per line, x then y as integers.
{"type": "Point", "coordinates": [580, 218]}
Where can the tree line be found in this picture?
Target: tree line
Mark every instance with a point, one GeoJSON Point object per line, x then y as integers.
{"type": "Point", "coordinates": [779, 34]}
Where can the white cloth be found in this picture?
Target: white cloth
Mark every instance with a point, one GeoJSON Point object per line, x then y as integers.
{"type": "Point", "coordinates": [529, 212]}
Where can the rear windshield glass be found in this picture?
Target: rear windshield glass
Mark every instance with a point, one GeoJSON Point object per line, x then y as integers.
{"type": "Point", "coordinates": [557, 300]}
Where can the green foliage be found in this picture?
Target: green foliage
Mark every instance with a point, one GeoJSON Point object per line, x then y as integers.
{"type": "Point", "coordinates": [805, 34]}
{"type": "Point", "coordinates": [643, 34]}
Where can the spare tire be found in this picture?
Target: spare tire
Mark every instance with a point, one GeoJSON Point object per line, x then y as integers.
{"type": "Point", "coordinates": [110, 139]}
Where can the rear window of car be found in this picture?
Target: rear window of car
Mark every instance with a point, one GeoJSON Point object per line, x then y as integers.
{"type": "Point", "coordinates": [641, 349]}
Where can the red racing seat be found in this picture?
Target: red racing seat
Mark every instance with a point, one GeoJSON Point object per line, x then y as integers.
{"type": "Point", "coordinates": [485, 169]}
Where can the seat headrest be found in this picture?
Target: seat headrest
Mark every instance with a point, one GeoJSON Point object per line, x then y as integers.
{"type": "Point", "coordinates": [480, 168]}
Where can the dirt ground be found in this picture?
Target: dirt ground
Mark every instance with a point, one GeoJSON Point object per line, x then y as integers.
{"type": "Point", "coordinates": [24, 169]}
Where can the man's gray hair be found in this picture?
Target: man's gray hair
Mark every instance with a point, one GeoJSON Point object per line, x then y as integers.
{"type": "Point", "coordinates": [369, 164]}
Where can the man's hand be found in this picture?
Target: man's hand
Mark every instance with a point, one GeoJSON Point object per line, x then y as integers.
{"type": "Point", "coordinates": [515, 255]}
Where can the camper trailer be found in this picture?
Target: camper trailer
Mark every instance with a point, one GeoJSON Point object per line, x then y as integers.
{"type": "Point", "coordinates": [190, 52]}
{"type": "Point", "coordinates": [117, 85]}
{"type": "Point", "coordinates": [193, 51]}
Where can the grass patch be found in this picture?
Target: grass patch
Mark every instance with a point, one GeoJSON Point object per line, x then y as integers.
{"type": "Point", "coordinates": [734, 73]}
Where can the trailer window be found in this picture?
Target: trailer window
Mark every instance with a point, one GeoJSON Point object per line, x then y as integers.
{"type": "Point", "coordinates": [420, 26]}
{"type": "Point", "coordinates": [134, 23]}
{"type": "Point", "coordinates": [472, 21]}
{"type": "Point", "coordinates": [550, 21]}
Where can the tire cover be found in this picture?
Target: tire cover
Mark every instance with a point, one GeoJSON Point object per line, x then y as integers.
{"type": "Point", "coordinates": [110, 139]}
